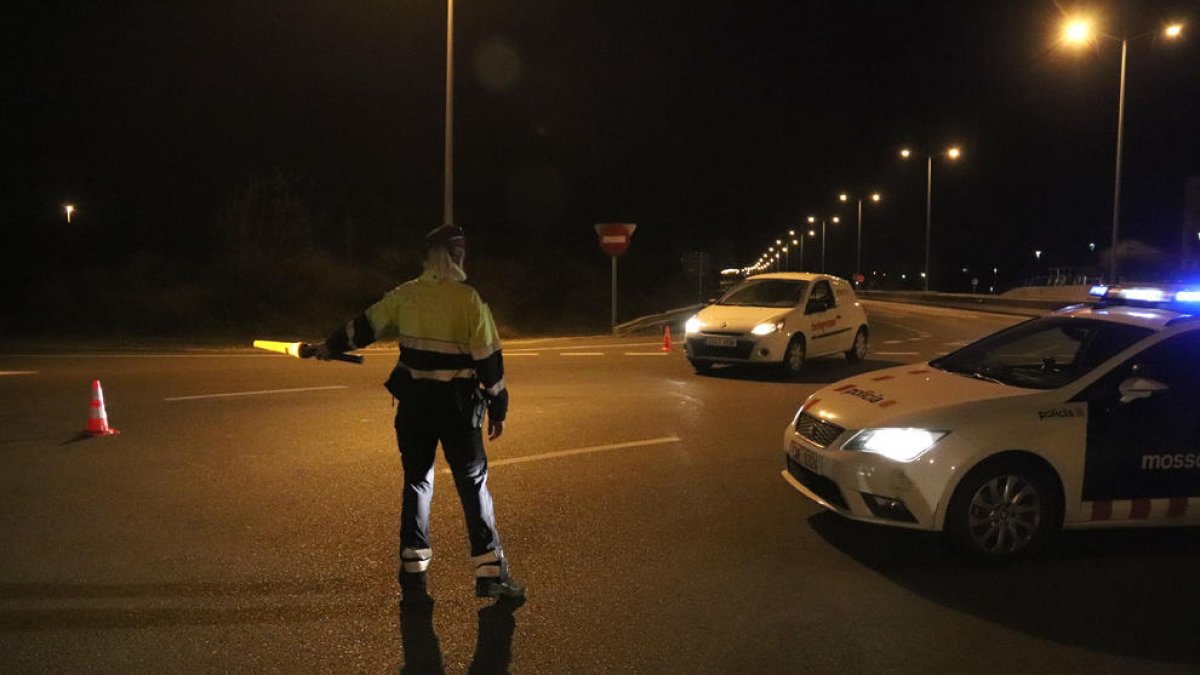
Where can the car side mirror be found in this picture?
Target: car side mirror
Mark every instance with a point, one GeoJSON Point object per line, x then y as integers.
{"type": "Point", "coordinates": [816, 306]}
{"type": "Point", "coordinates": [1134, 388]}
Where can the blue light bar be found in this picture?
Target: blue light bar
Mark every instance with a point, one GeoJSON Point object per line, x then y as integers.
{"type": "Point", "coordinates": [1098, 291]}
{"type": "Point", "coordinates": [1187, 296]}
{"type": "Point", "coordinates": [1142, 294]}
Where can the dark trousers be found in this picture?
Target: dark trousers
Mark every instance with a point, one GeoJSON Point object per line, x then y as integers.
{"type": "Point", "coordinates": [427, 413]}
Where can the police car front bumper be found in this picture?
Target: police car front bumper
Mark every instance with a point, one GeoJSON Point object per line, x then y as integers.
{"type": "Point", "coordinates": [865, 486]}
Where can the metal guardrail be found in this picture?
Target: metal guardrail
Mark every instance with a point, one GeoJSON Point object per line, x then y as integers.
{"type": "Point", "coordinates": [987, 303]}
{"type": "Point", "coordinates": [980, 303]}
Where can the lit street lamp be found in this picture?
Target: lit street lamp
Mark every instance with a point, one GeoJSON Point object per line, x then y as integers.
{"type": "Point", "coordinates": [951, 153]}
{"type": "Point", "coordinates": [835, 220]}
{"type": "Point", "coordinates": [1079, 31]}
{"type": "Point", "coordinates": [875, 197]}
{"type": "Point", "coordinates": [69, 208]}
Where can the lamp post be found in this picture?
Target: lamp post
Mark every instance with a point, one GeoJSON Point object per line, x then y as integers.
{"type": "Point", "coordinates": [1079, 31]}
{"type": "Point", "coordinates": [448, 158]}
{"type": "Point", "coordinates": [844, 197]}
{"type": "Point", "coordinates": [952, 153]}
{"type": "Point", "coordinates": [69, 208]}
{"type": "Point", "coordinates": [824, 221]}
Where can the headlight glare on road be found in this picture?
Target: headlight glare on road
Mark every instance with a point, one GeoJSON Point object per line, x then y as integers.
{"type": "Point", "coordinates": [766, 328]}
{"type": "Point", "coordinates": [692, 325]}
{"type": "Point", "coordinates": [902, 445]}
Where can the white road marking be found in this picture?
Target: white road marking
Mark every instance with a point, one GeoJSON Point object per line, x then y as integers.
{"type": "Point", "coordinates": [892, 342]}
{"type": "Point", "coordinates": [563, 349]}
{"type": "Point", "coordinates": [522, 354]}
{"type": "Point", "coordinates": [582, 354]}
{"type": "Point", "coordinates": [255, 393]}
{"type": "Point", "coordinates": [582, 451]}
{"type": "Point", "coordinates": [18, 372]}
{"type": "Point", "coordinates": [895, 353]}
{"type": "Point", "coordinates": [647, 353]}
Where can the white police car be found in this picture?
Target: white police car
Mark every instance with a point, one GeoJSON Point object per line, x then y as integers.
{"type": "Point", "coordinates": [779, 319]}
{"type": "Point", "coordinates": [1087, 417]}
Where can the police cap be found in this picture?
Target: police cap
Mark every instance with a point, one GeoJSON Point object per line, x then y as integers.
{"type": "Point", "coordinates": [446, 235]}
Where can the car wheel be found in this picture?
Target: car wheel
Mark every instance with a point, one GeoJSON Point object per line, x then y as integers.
{"type": "Point", "coordinates": [1002, 511]}
{"type": "Point", "coordinates": [701, 367]}
{"type": "Point", "coordinates": [793, 357]}
{"type": "Point", "coordinates": [858, 351]}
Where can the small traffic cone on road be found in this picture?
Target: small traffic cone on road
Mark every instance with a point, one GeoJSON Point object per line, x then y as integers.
{"type": "Point", "coordinates": [666, 338]}
{"type": "Point", "coordinates": [97, 424]}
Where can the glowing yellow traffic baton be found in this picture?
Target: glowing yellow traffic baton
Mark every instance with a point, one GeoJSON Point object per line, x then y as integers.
{"type": "Point", "coordinates": [294, 349]}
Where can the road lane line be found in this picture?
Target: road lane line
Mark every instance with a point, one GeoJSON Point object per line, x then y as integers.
{"type": "Point", "coordinates": [18, 372]}
{"type": "Point", "coordinates": [647, 354]}
{"type": "Point", "coordinates": [582, 354]}
{"type": "Point", "coordinates": [255, 393]}
{"type": "Point", "coordinates": [582, 451]}
{"type": "Point", "coordinates": [602, 346]}
{"type": "Point", "coordinates": [521, 354]}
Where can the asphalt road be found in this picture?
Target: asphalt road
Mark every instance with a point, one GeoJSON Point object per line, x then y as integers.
{"type": "Point", "coordinates": [245, 521]}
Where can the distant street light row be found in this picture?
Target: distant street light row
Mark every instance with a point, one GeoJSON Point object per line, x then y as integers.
{"type": "Point", "coordinates": [1077, 31]}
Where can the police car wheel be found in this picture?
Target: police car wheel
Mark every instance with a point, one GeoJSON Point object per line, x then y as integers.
{"type": "Point", "coordinates": [701, 367]}
{"type": "Point", "coordinates": [1002, 511]}
{"type": "Point", "coordinates": [858, 351]}
{"type": "Point", "coordinates": [793, 357]}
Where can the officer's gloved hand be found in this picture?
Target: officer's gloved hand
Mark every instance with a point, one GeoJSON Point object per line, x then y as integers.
{"type": "Point", "coordinates": [314, 350]}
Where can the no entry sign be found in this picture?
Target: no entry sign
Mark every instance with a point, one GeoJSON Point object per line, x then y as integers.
{"type": "Point", "coordinates": [614, 237]}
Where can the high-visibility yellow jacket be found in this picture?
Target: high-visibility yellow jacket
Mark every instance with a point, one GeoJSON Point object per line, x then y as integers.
{"type": "Point", "coordinates": [446, 333]}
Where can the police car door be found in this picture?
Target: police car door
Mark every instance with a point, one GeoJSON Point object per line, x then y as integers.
{"type": "Point", "coordinates": [1143, 434]}
{"type": "Point", "coordinates": [826, 331]}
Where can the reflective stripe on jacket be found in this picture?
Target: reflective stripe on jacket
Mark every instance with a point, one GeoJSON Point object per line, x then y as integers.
{"type": "Point", "coordinates": [445, 332]}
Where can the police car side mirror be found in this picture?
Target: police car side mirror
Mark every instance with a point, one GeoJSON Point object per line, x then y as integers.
{"type": "Point", "coordinates": [1134, 388]}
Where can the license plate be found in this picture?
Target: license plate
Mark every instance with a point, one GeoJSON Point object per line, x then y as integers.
{"type": "Point", "coordinates": [720, 341]}
{"type": "Point", "coordinates": [805, 457]}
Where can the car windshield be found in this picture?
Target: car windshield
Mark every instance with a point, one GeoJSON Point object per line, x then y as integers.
{"type": "Point", "coordinates": [1044, 353]}
{"type": "Point", "coordinates": [766, 293]}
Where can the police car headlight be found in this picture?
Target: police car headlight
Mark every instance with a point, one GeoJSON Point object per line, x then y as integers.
{"type": "Point", "coordinates": [692, 325]}
{"type": "Point", "coordinates": [902, 445]}
{"type": "Point", "coordinates": [767, 328]}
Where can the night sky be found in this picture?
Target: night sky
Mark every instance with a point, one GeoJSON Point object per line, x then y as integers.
{"type": "Point", "coordinates": [713, 125]}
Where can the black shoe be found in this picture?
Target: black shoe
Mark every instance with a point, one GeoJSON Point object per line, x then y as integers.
{"type": "Point", "coordinates": [498, 587]}
{"type": "Point", "coordinates": [413, 581]}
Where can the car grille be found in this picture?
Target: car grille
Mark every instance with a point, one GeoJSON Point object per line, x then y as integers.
{"type": "Point", "coordinates": [820, 485]}
{"type": "Point", "coordinates": [696, 347]}
{"type": "Point", "coordinates": [817, 430]}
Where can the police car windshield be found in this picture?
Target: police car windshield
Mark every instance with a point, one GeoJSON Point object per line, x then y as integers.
{"type": "Point", "coordinates": [1045, 353]}
{"type": "Point", "coordinates": [766, 293]}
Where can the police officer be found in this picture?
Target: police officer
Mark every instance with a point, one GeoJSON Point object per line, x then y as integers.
{"type": "Point", "coordinates": [450, 372]}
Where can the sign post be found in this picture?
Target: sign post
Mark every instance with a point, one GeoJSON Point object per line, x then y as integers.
{"type": "Point", "coordinates": [614, 240]}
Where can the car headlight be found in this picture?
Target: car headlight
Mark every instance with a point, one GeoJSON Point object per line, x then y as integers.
{"type": "Point", "coordinates": [692, 325]}
{"type": "Point", "coordinates": [766, 328]}
{"type": "Point", "coordinates": [902, 445]}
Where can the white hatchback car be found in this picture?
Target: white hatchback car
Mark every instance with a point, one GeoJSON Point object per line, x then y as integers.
{"type": "Point", "coordinates": [779, 319]}
{"type": "Point", "coordinates": [1083, 418]}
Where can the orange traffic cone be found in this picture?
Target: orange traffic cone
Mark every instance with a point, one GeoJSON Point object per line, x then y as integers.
{"type": "Point", "coordinates": [666, 338]}
{"type": "Point", "coordinates": [97, 424]}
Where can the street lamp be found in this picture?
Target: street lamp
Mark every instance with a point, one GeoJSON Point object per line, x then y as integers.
{"type": "Point", "coordinates": [951, 153]}
{"type": "Point", "coordinates": [813, 219]}
{"type": "Point", "coordinates": [448, 158]}
{"type": "Point", "coordinates": [844, 197]}
{"type": "Point", "coordinates": [69, 208]}
{"type": "Point", "coordinates": [1079, 31]}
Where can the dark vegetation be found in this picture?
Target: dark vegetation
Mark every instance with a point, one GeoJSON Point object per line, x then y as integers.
{"type": "Point", "coordinates": [265, 265]}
